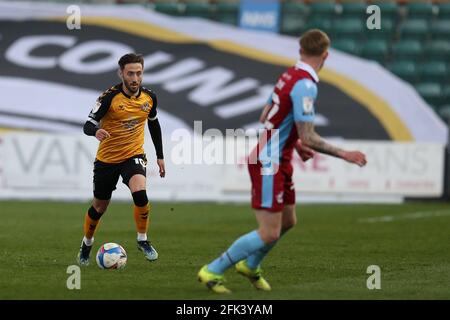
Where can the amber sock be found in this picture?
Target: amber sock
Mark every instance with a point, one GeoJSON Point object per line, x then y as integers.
{"type": "Point", "coordinates": [91, 221]}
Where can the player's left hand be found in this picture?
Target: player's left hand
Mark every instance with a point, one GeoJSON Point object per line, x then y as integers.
{"type": "Point", "coordinates": [162, 167]}
{"type": "Point", "coordinates": [355, 157]}
{"type": "Point", "coordinates": [304, 151]}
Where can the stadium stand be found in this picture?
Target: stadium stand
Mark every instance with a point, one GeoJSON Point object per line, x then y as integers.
{"type": "Point", "coordinates": [405, 69]}
{"type": "Point", "coordinates": [413, 42]}
{"type": "Point", "coordinates": [226, 12]}
{"type": "Point", "coordinates": [375, 50]}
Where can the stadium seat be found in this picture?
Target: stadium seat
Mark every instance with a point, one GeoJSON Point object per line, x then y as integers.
{"type": "Point", "coordinates": [388, 10]}
{"type": "Point", "coordinates": [414, 30]}
{"type": "Point", "coordinates": [444, 112]}
{"type": "Point", "coordinates": [437, 50]}
{"type": "Point", "coordinates": [347, 45]}
{"type": "Point", "coordinates": [431, 92]}
{"type": "Point", "coordinates": [291, 8]}
{"type": "Point", "coordinates": [375, 50]}
{"type": "Point", "coordinates": [441, 30]}
{"type": "Point", "coordinates": [407, 70]}
{"type": "Point", "coordinates": [410, 49]}
{"type": "Point", "coordinates": [198, 9]}
{"type": "Point", "coordinates": [349, 28]}
{"type": "Point", "coordinates": [227, 12]}
{"type": "Point", "coordinates": [354, 10]}
{"type": "Point", "coordinates": [444, 11]}
{"type": "Point", "coordinates": [292, 18]}
{"type": "Point", "coordinates": [171, 8]}
{"type": "Point", "coordinates": [119, 2]}
{"type": "Point", "coordinates": [292, 26]}
{"type": "Point", "coordinates": [433, 71]}
{"type": "Point", "coordinates": [446, 92]}
{"type": "Point", "coordinates": [420, 10]}
{"type": "Point", "coordinates": [323, 24]}
{"type": "Point", "coordinates": [386, 32]}
{"type": "Point", "coordinates": [323, 10]}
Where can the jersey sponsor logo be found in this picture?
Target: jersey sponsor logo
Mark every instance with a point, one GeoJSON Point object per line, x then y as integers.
{"type": "Point", "coordinates": [308, 104]}
{"type": "Point", "coordinates": [130, 124]}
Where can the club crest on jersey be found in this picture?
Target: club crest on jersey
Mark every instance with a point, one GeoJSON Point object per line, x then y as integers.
{"type": "Point", "coordinates": [308, 105]}
{"type": "Point", "coordinates": [145, 107]}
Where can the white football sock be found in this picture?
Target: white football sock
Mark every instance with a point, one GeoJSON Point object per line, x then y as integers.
{"type": "Point", "coordinates": [141, 236]}
{"type": "Point", "coordinates": [87, 241]}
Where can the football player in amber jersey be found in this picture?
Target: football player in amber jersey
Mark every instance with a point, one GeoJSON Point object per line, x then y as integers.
{"type": "Point", "coordinates": [118, 121]}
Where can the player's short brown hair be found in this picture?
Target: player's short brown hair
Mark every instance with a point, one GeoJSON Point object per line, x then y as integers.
{"type": "Point", "coordinates": [131, 58]}
{"type": "Point", "coordinates": [314, 42]}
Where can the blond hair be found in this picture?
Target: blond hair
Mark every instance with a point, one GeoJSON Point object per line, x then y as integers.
{"type": "Point", "coordinates": [314, 42]}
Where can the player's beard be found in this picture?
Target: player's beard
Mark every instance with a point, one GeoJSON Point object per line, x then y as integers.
{"type": "Point", "coordinates": [130, 88]}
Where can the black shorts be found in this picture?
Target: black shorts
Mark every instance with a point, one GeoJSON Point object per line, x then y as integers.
{"type": "Point", "coordinates": [106, 175]}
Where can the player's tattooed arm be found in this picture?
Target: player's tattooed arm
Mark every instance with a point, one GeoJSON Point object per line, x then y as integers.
{"type": "Point", "coordinates": [309, 137]}
{"type": "Point", "coordinates": [314, 141]}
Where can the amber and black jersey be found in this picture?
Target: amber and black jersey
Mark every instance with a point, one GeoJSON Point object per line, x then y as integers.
{"type": "Point", "coordinates": [124, 117]}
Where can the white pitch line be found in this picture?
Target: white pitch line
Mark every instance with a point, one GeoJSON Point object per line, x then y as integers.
{"type": "Point", "coordinates": [414, 215]}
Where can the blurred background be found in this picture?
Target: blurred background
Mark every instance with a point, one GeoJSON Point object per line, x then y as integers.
{"type": "Point", "coordinates": [413, 43]}
{"type": "Point", "coordinates": [385, 88]}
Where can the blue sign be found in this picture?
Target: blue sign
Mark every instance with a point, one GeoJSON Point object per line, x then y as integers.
{"type": "Point", "coordinates": [260, 15]}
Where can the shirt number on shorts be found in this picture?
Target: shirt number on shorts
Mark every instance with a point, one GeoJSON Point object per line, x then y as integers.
{"type": "Point", "coordinates": [140, 161]}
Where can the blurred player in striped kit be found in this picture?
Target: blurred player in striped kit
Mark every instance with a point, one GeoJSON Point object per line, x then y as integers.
{"type": "Point", "coordinates": [289, 122]}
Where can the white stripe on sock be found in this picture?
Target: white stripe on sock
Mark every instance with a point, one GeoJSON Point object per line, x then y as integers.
{"type": "Point", "coordinates": [141, 236]}
{"type": "Point", "coordinates": [88, 242]}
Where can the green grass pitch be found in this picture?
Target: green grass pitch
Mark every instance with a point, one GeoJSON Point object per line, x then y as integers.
{"type": "Point", "coordinates": [324, 257]}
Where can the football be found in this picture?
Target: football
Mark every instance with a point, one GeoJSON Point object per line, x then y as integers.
{"type": "Point", "coordinates": [111, 256]}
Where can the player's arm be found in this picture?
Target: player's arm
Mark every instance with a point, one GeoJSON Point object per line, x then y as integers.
{"type": "Point", "coordinates": [266, 109]}
{"type": "Point", "coordinates": [313, 140]}
{"type": "Point", "coordinates": [310, 138]}
{"type": "Point", "coordinates": [303, 150]}
{"type": "Point", "coordinates": [91, 127]}
{"type": "Point", "coordinates": [303, 96]}
{"type": "Point", "coordinates": [155, 132]}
